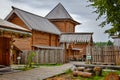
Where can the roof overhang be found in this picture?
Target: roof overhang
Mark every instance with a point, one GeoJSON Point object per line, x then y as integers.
{"type": "Point", "coordinates": [76, 49]}
{"type": "Point", "coordinates": [14, 30]}
{"type": "Point", "coordinates": [47, 32]}
{"type": "Point", "coordinates": [76, 37]}
{"type": "Point", "coordinates": [46, 47]}
{"type": "Point", "coordinates": [115, 36]}
{"type": "Point", "coordinates": [8, 26]}
{"type": "Point", "coordinates": [65, 19]}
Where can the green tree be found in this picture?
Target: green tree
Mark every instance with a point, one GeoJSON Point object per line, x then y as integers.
{"type": "Point", "coordinates": [100, 44]}
{"type": "Point", "coordinates": [109, 43]}
{"type": "Point", "coordinates": [110, 9]}
{"type": "Point", "coordinates": [30, 57]}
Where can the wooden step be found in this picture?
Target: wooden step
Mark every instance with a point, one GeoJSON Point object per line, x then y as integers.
{"type": "Point", "coordinates": [4, 68]}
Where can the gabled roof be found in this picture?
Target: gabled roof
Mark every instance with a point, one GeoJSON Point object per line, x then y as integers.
{"type": "Point", "coordinates": [76, 37]}
{"type": "Point", "coordinates": [5, 25]}
{"type": "Point", "coordinates": [35, 22]}
{"type": "Point", "coordinates": [59, 12]}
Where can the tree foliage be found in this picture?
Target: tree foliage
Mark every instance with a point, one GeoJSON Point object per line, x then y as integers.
{"type": "Point", "coordinates": [102, 44]}
{"type": "Point", "coordinates": [30, 60]}
{"type": "Point", "coordinates": [109, 43]}
{"type": "Point", "coordinates": [111, 10]}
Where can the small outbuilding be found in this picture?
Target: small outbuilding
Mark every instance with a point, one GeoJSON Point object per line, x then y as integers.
{"type": "Point", "coordinates": [116, 40]}
{"type": "Point", "coordinates": [76, 44]}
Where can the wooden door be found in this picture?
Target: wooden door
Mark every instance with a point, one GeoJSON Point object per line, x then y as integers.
{"type": "Point", "coordinates": [1, 50]}
{"type": "Point", "coordinates": [5, 51]}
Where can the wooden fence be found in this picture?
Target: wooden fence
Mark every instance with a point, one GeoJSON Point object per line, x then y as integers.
{"type": "Point", "coordinates": [104, 55]}
{"type": "Point", "coordinates": [44, 56]}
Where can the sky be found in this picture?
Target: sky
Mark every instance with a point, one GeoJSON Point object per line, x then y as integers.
{"type": "Point", "coordinates": [76, 8]}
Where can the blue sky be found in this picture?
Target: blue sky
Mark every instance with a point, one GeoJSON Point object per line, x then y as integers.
{"type": "Point", "coordinates": [76, 8]}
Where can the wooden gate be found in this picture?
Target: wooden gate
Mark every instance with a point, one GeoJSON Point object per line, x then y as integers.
{"type": "Point", "coordinates": [5, 51]}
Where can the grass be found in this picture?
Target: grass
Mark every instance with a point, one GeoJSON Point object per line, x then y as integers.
{"type": "Point", "coordinates": [68, 75]}
{"type": "Point", "coordinates": [36, 66]}
{"type": "Point", "coordinates": [104, 73]}
{"type": "Point", "coordinates": [48, 64]}
{"type": "Point", "coordinates": [95, 77]}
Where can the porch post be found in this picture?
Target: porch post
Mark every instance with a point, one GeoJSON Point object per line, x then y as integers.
{"type": "Point", "coordinates": [11, 49]}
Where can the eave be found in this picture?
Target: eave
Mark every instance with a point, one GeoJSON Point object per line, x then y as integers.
{"type": "Point", "coordinates": [67, 20]}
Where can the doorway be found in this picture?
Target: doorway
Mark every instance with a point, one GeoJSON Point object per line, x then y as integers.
{"type": "Point", "coordinates": [5, 51]}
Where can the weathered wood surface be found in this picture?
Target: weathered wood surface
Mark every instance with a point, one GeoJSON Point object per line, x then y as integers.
{"type": "Point", "coordinates": [82, 74]}
{"type": "Point", "coordinates": [85, 74]}
{"type": "Point", "coordinates": [105, 55]}
{"type": "Point", "coordinates": [45, 56]}
{"type": "Point", "coordinates": [102, 66]}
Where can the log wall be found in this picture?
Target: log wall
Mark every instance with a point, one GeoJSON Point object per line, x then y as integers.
{"type": "Point", "coordinates": [65, 26]}
{"type": "Point", "coordinates": [45, 39]}
{"type": "Point", "coordinates": [37, 38]}
{"type": "Point", "coordinates": [16, 20]}
{"type": "Point", "coordinates": [82, 48]}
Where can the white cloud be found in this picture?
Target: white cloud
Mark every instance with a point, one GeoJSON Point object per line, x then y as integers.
{"type": "Point", "coordinates": [4, 8]}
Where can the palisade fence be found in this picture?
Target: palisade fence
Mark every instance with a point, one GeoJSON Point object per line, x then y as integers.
{"type": "Point", "coordinates": [44, 56]}
{"type": "Point", "coordinates": [104, 55]}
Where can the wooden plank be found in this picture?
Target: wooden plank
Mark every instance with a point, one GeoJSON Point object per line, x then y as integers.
{"type": "Point", "coordinates": [105, 55]}
{"type": "Point", "coordinates": [47, 56]}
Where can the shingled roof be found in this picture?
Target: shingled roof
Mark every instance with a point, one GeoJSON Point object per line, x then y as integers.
{"type": "Point", "coordinates": [35, 22]}
{"type": "Point", "coordinates": [76, 37]}
{"type": "Point", "coordinates": [5, 25]}
{"type": "Point", "coordinates": [59, 12]}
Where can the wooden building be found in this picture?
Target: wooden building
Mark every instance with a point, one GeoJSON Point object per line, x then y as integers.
{"type": "Point", "coordinates": [66, 24]}
{"type": "Point", "coordinates": [116, 40]}
{"type": "Point", "coordinates": [62, 19]}
{"type": "Point", "coordinates": [76, 44]}
{"type": "Point", "coordinates": [8, 32]}
{"type": "Point", "coordinates": [44, 33]}
{"type": "Point", "coordinates": [47, 31]}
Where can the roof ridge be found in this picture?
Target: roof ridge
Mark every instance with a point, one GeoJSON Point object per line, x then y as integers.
{"type": "Point", "coordinates": [26, 16]}
{"type": "Point", "coordinates": [52, 9]}
{"type": "Point", "coordinates": [65, 10]}
{"type": "Point", "coordinates": [27, 12]}
{"type": "Point", "coordinates": [59, 4]}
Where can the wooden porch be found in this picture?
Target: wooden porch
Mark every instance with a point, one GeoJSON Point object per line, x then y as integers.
{"type": "Point", "coordinates": [8, 31]}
